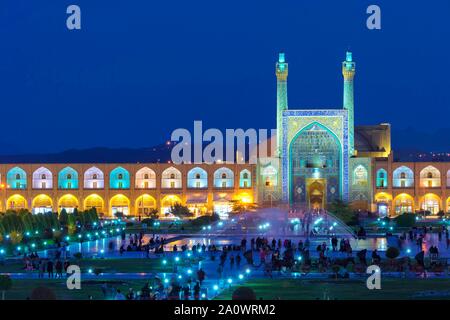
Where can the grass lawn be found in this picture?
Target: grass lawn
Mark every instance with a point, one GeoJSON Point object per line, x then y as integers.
{"type": "Point", "coordinates": [22, 289]}
{"type": "Point", "coordinates": [126, 265]}
{"type": "Point", "coordinates": [343, 289]}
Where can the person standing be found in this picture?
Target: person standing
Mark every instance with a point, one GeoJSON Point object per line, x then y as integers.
{"type": "Point", "coordinates": [50, 269]}
{"type": "Point", "coordinates": [186, 292]}
{"type": "Point", "coordinates": [201, 275]}
{"type": "Point", "coordinates": [231, 262]}
{"type": "Point", "coordinates": [197, 291]}
{"type": "Point", "coordinates": [59, 269]}
{"type": "Point", "coordinates": [42, 267]}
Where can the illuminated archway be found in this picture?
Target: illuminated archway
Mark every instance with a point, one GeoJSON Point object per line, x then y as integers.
{"type": "Point", "coordinates": [360, 176]}
{"type": "Point", "coordinates": [383, 201]}
{"type": "Point", "coordinates": [403, 203]}
{"type": "Point", "coordinates": [245, 179]}
{"type": "Point", "coordinates": [382, 181]}
{"type": "Point", "coordinates": [383, 197]}
{"type": "Point", "coordinates": [269, 176]}
{"type": "Point", "coordinates": [171, 178]}
{"type": "Point", "coordinates": [144, 204]}
{"type": "Point", "coordinates": [448, 205]}
{"type": "Point", "coordinates": [430, 177]}
{"type": "Point", "coordinates": [168, 201]}
{"type": "Point", "coordinates": [68, 202]}
{"type": "Point", "coordinates": [430, 202]}
{"type": "Point", "coordinates": [145, 178]}
{"type": "Point", "coordinates": [94, 201]}
{"type": "Point", "coordinates": [16, 202]}
{"type": "Point", "coordinates": [68, 178]}
{"type": "Point", "coordinates": [119, 203]}
{"type": "Point", "coordinates": [16, 178]}
{"type": "Point", "coordinates": [42, 204]}
{"type": "Point", "coordinates": [223, 178]}
{"type": "Point", "coordinates": [403, 177]}
{"type": "Point", "coordinates": [448, 179]}
{"type": "Point", "coordinates": [315, 154]}
{"type": "Point", "coordinates": [197, 178]}
{"type": "Point", "coordinates": [42, 179]}
{"type": "Point", "coordinates": [119, 178]}
{"type": "Point", "coordinates": [94, 178]}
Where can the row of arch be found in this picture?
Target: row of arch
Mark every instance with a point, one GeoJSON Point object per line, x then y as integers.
{"type": "Point", "coordinates": [403, 177]}
{"type": "Point", "coordinates": [405, 203]}
{"type": "Point", "coordinates": [119, 203]}
{"type": "Point", "coordinates": [119, 178]}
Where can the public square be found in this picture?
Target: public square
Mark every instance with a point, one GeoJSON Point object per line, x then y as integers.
{"type": "Point", "coordinates": [112, 267]}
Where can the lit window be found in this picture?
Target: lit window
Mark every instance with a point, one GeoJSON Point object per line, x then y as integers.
{"type": "Point", "coordinates": [360, 175]}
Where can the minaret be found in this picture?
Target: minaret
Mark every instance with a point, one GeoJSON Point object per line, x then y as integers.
{"type": "Point", "coordinates": [348, 71]}
{"type": "Point", "coordinates": [281, 71]}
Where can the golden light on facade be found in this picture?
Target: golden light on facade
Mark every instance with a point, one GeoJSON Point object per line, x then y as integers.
{"type": "Point", "coordinates": [16, 202]}
{"type": "Point", "coordinates": [42, 200]}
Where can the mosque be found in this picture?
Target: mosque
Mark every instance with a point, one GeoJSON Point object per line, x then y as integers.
{"type": "Point", "coordinates": [320, 156]}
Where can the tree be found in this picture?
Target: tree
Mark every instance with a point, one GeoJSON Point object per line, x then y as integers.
{"type": "Point", "coordinates": [180, 211]}
{"type": "Point", "coordinates": [343, 211]}
{"type": "Point", "coordinates": [63, 217]}
{"type": "Point", "coordinates": [119, 215]}
{"type": "Point", "coordinates": [238, 206]}
{"type": "Point", "coordinates": [16, 237]}
{"type": "Point", "coordinates": [406, 220]}
{"type": "Point", "coordinates": [71, 224]}
{"type": "Point", "coordinates": [153, 214]}
{"type": "Point", "coordinates": [12, 222]}
{"type": "Point", "coordinates": [5, 284]}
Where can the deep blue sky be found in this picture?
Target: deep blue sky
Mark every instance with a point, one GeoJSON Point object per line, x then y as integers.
{"type": "Point", "coordinates": [139, 69]}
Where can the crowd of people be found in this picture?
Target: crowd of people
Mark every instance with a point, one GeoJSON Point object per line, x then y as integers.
{"type": "Point", "coordinates": [258, 253]}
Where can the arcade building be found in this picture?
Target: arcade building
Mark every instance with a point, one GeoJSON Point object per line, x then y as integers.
{"type": "Point", "coordinates": [320, 156]}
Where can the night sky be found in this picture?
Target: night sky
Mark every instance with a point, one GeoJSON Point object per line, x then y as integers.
{"type": "Point", "coordinates": [139, 69]}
